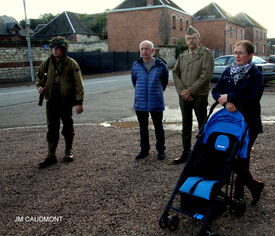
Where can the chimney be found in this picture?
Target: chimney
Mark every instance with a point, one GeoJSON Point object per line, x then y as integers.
{"type": "Point", "coordinates": [150, 2]}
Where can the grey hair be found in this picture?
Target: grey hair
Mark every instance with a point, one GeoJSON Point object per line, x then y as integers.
{"type": "Point", "coordinates": [147, 42]}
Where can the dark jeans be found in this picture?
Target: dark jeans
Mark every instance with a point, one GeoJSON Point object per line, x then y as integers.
{"type": "Point", "coordinates": [199, 105]}
{"type": "Point", "coordinates": [244, 177]}
{"type": "Point", "coordinates": [143, 117]}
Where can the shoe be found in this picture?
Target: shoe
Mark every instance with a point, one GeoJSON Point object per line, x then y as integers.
{"type": "Point", "coordinates": [142, 154]}
{"type": "Point", "coordinates": [47, 162]}
{"type": "Point", "coordinates": [68, 157]}
{"type": "Point", "coordinates": [256, 192]}
{"type": "Point", "coordinates": [182, 159]}
{"type": "Point", "coordinates": [161, 155]}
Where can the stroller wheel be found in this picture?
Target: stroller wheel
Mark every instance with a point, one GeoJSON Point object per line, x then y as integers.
{"type": "Point", "coordinates": [173, 223]}
{"type": "Point", "coordinates": [238, 207]}
{"type": "Point", "coordinates": [163, 222]}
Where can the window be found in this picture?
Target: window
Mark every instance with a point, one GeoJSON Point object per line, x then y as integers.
{"type": "Point", "coordinates": [236, 33]}
{"type": "Point", "coordinates": [264, 49]}
{"type": "Point", "coordinates": [230, 31]}
{"type": "Point", "coordinates": [187, 24]}
{"type": "Point", "coordinates": [174, 22]}
{"type": "Point", "coordinates": [241, 34]}
{"type": "Point", "coordinates": [256, 48]}
{"type": "Point", "coordinates": [181, 25]}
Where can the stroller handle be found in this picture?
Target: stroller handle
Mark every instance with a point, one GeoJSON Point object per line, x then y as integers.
{"type": "Point", "coordinates": [209, 114]}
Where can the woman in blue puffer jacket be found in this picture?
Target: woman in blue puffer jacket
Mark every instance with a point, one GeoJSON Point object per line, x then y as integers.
{"type": "Point", "coordinates": [150, 78]}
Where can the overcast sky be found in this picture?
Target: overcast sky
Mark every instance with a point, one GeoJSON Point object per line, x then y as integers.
{"type": "Point", "coordinates": [261, 11]}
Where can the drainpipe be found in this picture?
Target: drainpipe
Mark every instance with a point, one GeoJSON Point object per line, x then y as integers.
{"type": "Point", "coordinates": [225, 46]}
{"type": "Point", "coordinates": [29, 41]}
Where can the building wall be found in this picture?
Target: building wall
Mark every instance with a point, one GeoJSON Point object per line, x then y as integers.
{"type": "Point", "coordinates": [178, 32]}
{"type": "Point", "coordinates": [260, 41]}
{"type": "Point", "coordinates": [219, 35]}
{"type": "Point", "coordinates": [14, 61]}
{"type": "Point", "coordinates": [81, 38]}
{"type": "Point", "coordinates": [211, 34]}
{"type": "Point", "coordinates": [126, 29]}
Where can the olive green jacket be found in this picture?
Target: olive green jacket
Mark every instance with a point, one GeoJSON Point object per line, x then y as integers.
{"type": "Point", "coordinates": [194, 72]}
{"type": "Point", "coordinates": [71, 82]}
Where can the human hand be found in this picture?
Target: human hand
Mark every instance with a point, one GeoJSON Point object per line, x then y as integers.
{"type": "Point", "coordinates": [186, 95]}
{"type": "Point", "coordinates": [41, 90]}
{"type": "Point", "coordinates": [79, 109]}
{"type": "Point", "coordinates": [223, 99]}
{"type": "Point", "coordinates": [230, 107]}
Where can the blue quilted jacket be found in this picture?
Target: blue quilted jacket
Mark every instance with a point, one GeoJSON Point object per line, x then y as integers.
{"type": "Point", "coordinates": [149, 87]}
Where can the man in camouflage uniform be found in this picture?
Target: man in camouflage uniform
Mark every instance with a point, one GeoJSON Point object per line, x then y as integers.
{"type": "Point", "coordinates": [192, 75]}
{"type": "Point", "coordinates": [63, 90]}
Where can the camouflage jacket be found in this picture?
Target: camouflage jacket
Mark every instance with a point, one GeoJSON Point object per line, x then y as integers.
{"type": "Point", "coordinates": [70, 80]}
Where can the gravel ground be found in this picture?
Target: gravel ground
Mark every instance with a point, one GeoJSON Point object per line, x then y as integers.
{"type": "Point", "coordinates": [105, 191]}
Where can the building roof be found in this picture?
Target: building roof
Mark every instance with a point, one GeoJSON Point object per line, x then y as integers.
{"type": "Point", "coordinates": [247, 20]}
{"type": "Point", "coordinates": [214, 12]}
{"type": "Point", "coordinates": [142, 4]}
{"type": "Point", "coordinates": [65, 24]}
{"type": "Point", "coordinates": [8, 25]}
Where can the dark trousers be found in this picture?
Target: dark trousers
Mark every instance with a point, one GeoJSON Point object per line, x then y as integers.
{"type": "Point", "coordinates": [56, 111]}
{"type": "Point", "coordinates": [157, 117]}
{"type": "Point", "coordinates": [199, 105]}
{"type": "Point", "coordinates": [244, 177]}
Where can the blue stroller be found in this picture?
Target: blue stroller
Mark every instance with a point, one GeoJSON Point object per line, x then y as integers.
{"type": "Point", "coordinates": [205, 185]}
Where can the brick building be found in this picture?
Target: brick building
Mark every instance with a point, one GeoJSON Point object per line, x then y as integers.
{"type": "Point", "coordinates": [160, 21]}
{"type": "Point", "coordinates": [254, 32]}
{"type": "Point", "coordinates": [219, 30]}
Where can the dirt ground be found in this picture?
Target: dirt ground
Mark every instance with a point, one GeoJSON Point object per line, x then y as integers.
{"type": "Point", "coordinates": [106, 192]}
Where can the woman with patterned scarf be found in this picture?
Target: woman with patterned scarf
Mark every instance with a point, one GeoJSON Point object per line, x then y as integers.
{"type": "Point", "coordinates": [240, 88]}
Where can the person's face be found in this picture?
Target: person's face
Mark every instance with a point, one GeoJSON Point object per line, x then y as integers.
{"type": "Point", "coordinates": [57, 52]}
{"type": "Point", "coordinates": [146, 51]}
{"type": "Point", "coordinates": [241, 55]}
{"type": "Point", "coordinates": [192, 41]}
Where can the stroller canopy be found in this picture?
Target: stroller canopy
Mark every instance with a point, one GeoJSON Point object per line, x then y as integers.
{"type": "Point", "coordinates": [230, 123]}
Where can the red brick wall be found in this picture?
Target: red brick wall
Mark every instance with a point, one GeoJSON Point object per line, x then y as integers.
{"type": "Point", "coordinates": [216, 35]}
{"type": "Point", "coordinates": [127, 29]}
{"type": "Point", "coordinates": [177, 33]}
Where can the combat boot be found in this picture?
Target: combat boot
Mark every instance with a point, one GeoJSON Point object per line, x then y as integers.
{"type": "Point", "coordinates": [68, 157]}
{"type": "Point", "coordinates": [51, 158]}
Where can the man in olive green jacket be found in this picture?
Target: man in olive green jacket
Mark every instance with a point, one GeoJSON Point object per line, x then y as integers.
{"type": "Point", "coordinates": [63, 90]}
{"type": "Point", "coordinates": [192, 75]}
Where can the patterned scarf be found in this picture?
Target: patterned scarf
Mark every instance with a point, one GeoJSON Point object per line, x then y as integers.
{"type": "Point", "coordinates": [238, 72]}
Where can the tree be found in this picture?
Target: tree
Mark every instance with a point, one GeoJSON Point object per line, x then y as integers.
{"type": "Point", "coordinates": [164, 27]}
{"type": "Point", "coordinates": [180, 46]}
{"type": "Point", "coordinates": [43, 19]}
{"type": "Point", "coordinates": [96, 23]}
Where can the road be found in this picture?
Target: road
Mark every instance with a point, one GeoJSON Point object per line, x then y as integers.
{"type": "Point", "coordinates": [106, 99]}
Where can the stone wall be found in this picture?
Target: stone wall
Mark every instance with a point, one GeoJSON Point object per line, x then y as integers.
{"type": "Point", "coordinates": [14, 61]}
{"type": "Point", "coordinates": [168, 54]}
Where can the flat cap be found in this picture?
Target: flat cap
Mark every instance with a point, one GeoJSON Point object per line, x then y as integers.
{"type": "Point", "coordinates": [191, 30]}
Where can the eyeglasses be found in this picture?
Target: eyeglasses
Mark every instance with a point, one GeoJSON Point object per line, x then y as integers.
{"type": "Point", "coordinates": [240, 53]}
{"type": "Point", "coordinates": [191, 38]}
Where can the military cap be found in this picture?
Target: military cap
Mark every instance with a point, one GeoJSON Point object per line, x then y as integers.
{"type": "Point", "coordinates": [59, 42]}
{"type": "Point", "coordinates": [191, 30]}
